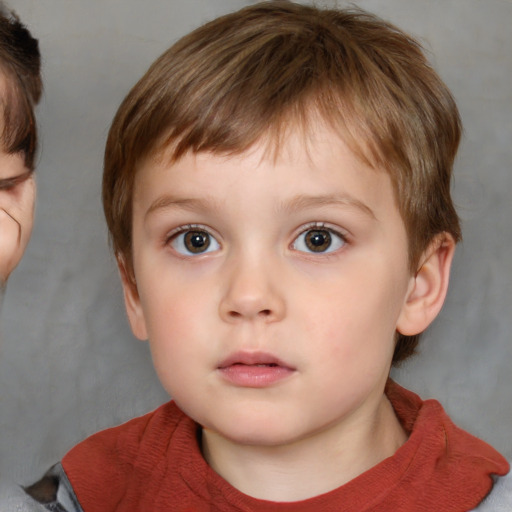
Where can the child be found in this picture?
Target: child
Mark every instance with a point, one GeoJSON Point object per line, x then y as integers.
{"type": "Point", "coordinates": [277, 190]}
{"type": "Point", "coordinates": [20, 91]}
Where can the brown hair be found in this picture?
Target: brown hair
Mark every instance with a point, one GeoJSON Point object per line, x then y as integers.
{"type": "Point", "coordinates": [257, 71]}
{"type": "Point", "coordinates": [20, 63]}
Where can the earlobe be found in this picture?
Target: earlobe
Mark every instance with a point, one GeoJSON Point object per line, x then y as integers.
{"type": "Point", "coordinates": [132, 300]}
{"type": "Point", "coordinates": [428, 287]}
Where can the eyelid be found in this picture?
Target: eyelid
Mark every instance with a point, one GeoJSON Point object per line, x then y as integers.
{"type": "Point", "coordinates": [171, 236]}
{"type": "Point", "coordinates": [343, 233]}
{"type": "Point", "coordinates": [335, 230]}
{"type": "Point", "coordinates": [188, 227]}
{"type": "Point", "coordinates": [9, 183]}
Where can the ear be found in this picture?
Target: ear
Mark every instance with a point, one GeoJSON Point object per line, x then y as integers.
{"type": "Point", "coordinates": [132, 300]}
{"type": "Point", "coordinates": [428, 287]}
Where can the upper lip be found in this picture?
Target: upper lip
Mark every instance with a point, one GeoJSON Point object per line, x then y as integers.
{"type": "Point", "coordinates": [252, 358]}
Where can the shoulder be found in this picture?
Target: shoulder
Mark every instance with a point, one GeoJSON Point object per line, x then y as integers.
{"type": "Point", "coordinates": [500, 498]}
{"type": "Point", "coordinates": [14, 499]}
{"type": "Point", "coordinates": [119, 445]}
{"type": "Point", "coordinates": [107, 463]}
{"type": "Point", "coordinates": [53, 492]}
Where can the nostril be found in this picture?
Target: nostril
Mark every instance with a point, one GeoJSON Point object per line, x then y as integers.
{"type": "Point", "coordinates": [265, 312]}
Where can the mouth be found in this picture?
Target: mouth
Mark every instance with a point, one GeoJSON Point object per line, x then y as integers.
{"type": "Point", "coordinates": [252, 359]}
{"type": "Point", "coordinates": [254, 369]}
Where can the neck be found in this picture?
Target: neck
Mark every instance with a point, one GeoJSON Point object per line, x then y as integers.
{"type": "Point", "coordinates": [307, 467]}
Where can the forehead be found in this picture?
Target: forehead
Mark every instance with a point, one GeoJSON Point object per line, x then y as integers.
{"type": "Point", "coordinates": [316, 163]}
{"type": "Point", "coordinates": [303, 137]}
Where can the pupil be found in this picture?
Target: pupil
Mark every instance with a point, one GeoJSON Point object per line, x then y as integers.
{"type": "Point", "coordinates": [197, 241]}
{"type": "Point", "coordinates": [318, 240]}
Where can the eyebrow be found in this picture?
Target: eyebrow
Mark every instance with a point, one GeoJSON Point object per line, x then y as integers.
{"type": "Point", "coordinates": [167, 202]}
{"type": "Point", "coordinates": [304, 202]}
{"type": "Point", "coordinates": [8, 183]}
{"type": "Point", "coordinates": [299, 202]}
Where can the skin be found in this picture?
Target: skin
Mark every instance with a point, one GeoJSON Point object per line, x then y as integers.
{"type": "Point", "coordinates": [329, 317]}
{"type": "Point", "coordinates": [17, 199]}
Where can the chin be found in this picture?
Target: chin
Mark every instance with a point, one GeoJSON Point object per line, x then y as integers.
{"type": "Point", "coordinates": [258, 432]}
{"type": "Point", "coordinates": [259, 439]}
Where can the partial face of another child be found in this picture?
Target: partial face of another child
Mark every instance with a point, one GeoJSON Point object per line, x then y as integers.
{"type": "Point", "coordinates": [270, 290]}
{"type": "Point", "coordinates": [17, 197]}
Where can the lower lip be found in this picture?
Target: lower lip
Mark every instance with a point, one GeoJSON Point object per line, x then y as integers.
{"type": "Point", "coordinates": [254, 376]}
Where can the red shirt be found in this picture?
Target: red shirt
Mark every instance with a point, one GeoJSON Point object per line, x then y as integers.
{"type": "Point", "coordinates": [154, 463]}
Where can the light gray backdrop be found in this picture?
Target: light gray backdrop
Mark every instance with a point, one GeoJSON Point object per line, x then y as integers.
{"type": "Point", "coordinates": [68, 363]}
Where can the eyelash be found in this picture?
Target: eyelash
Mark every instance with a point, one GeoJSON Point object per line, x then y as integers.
{"type": "Point", "coordinates": [182, 250]}
{"type": "Point", "coordinates": [190, 228]}
{"type": "Point", "coordinates": [321, 226]}
{"type": "Point", "coordinates": [10, 183]}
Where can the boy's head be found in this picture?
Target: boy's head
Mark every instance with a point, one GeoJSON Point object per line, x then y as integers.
{"type": "Point", "coordinates": [275, 68]}
{"type": "Point", "coordinates": [21, 87]}
{"type": "Point", "coordinates": [20, 91]}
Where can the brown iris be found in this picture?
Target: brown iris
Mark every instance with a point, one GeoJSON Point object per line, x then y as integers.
{"type": "Point", "coordinates": [197, 241]}
{"type": "Point", "coordinates": [318, 240]}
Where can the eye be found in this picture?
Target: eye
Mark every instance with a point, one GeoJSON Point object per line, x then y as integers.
{"type": "Point", "coordinates": [194, 241]}
{"type": "Point", "coordinates": [10, 183]}
{"type": "Point", "coordinates": [319, 240]}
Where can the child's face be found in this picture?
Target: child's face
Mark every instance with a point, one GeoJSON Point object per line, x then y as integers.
{"type": "Point", "coordinates": [270, 290]}
{"type": "Point", "coordinates": [17, 197]}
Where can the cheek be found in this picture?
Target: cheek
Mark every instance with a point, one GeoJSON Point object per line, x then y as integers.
{"type": "Point", "coordinates": [173, 342]}
{"type": "Point", "coordinates": [177, 318]}
{"type": "Point", "coordinates": [355, 316]}
{"type": "Point", "coordinates": [173, 316]}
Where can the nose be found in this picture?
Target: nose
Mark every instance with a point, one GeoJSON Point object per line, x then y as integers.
{"type": "Point", "coordinates": [253, 293]}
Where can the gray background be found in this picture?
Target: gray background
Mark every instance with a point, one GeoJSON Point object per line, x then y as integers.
{"type": "Point", "coordinates": [68, 362]}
